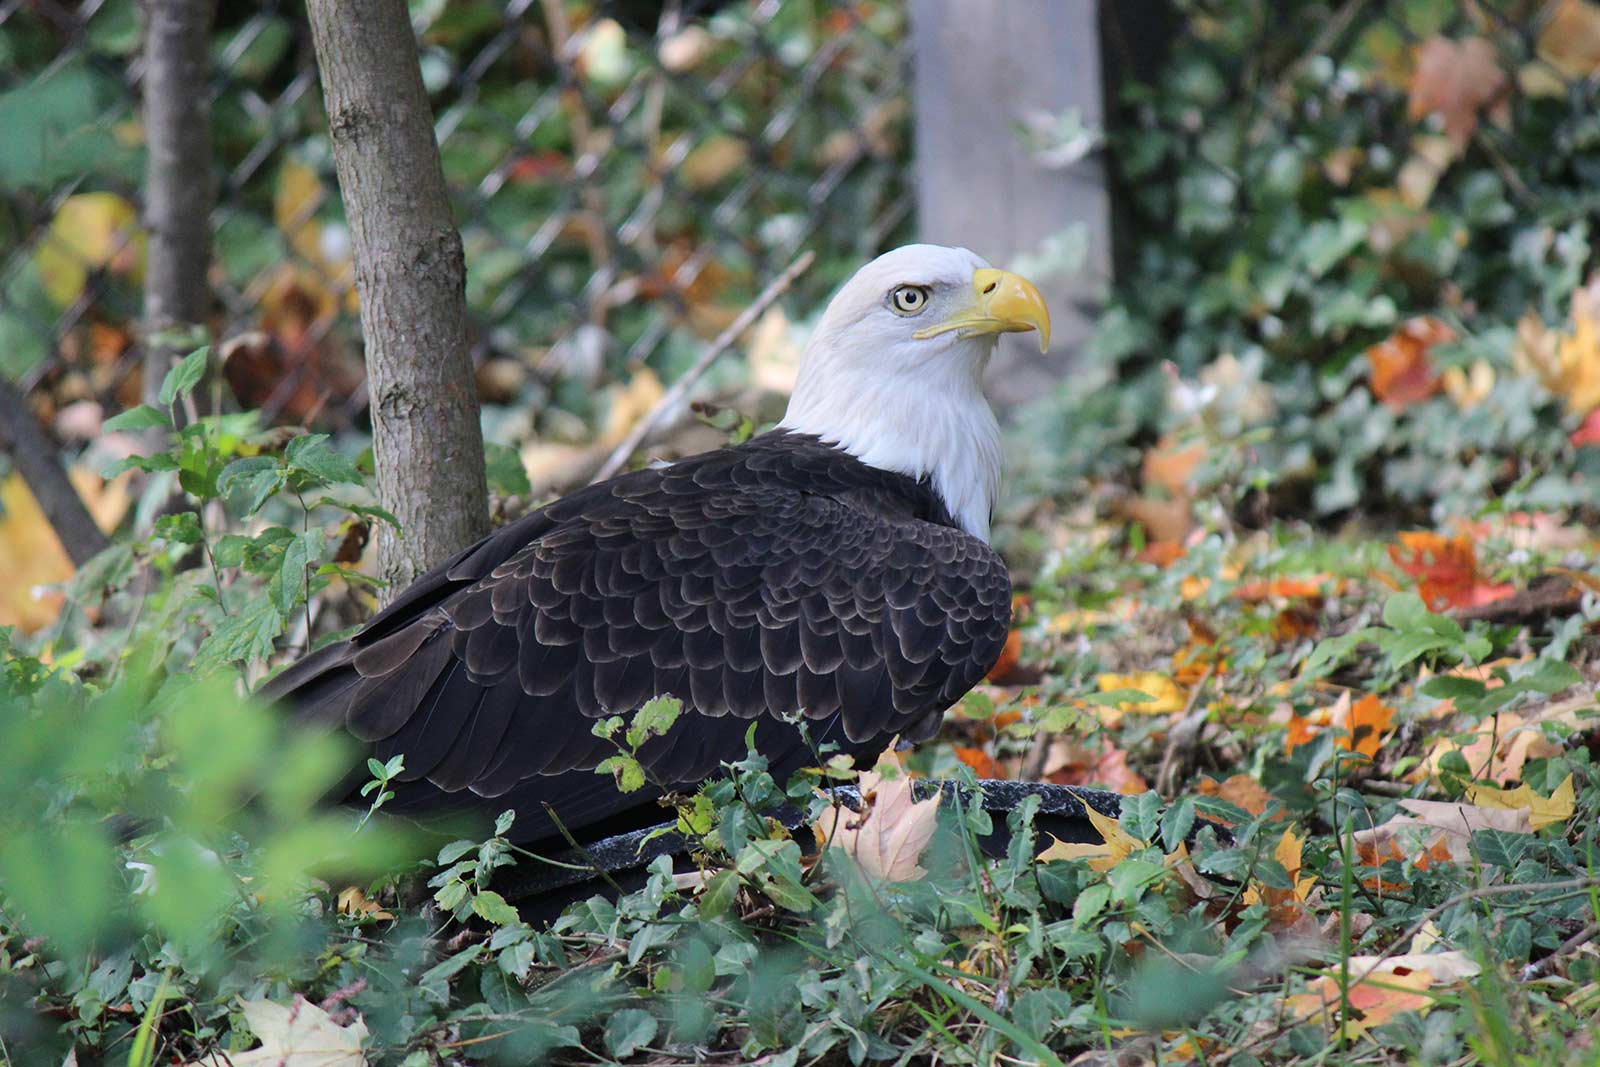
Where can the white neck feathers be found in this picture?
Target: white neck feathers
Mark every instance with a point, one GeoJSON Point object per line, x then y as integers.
{"type": "Point", "coordinates": [922, 418]}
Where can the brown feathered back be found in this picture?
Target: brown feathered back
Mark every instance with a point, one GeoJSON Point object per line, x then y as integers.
{"type": "Point", "coordinates": [776, 578]}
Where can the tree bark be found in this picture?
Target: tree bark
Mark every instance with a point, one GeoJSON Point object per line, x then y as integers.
{"type": "Point", "coordinates": [35, 456]}
{"type": "Point", "coordinates": [177, 201]}
{"type": "Point", "coordinates": [427, 443]}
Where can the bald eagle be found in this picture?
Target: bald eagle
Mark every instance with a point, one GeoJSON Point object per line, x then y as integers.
{"type": "Point", "coordinates": [837, 568]}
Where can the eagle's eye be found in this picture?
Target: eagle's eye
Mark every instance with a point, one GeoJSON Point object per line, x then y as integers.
{"type": "Point", "coordinates": [908, 299]}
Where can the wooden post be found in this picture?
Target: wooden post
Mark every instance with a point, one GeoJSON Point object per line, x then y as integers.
{"type": "Point", "coordinates": [427, 444]}
{"type": "Point", "coordinates": [981, 67]}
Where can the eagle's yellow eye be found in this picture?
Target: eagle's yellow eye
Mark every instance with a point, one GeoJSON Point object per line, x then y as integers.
{"type": "Point", "coordinates": [908, 299]}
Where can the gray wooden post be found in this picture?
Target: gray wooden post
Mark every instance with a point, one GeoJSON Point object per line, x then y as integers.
{"type": "Point", "coordinates": [981, 66]}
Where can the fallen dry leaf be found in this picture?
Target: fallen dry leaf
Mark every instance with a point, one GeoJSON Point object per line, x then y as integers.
{"type": "Point", "coordinates": [1456, 80]}
{"type": "Point", "coordinates": [1116, 845]}
{"type": "Point", "coordinates": [1568, 49]}
{"type": "Point", "coordinates": [887, 836]}
{"type": "Point", "coordinates": [1434, 830]}
{"type": "Point", "coordinates": [1446, 570]}
{"type": "Point", "coordinates": [1471, 387]}
{"type": "Point", "coordinates": [1165, 695]}
{"type": "Point", "coordinates": [1241, 790]}
{"type": "Point", "coordinates": [1286, 906]}
{"type": "Point", "coordinates": [1385, 986]}
{"type": "Point", "coordinates": [299, 1034]}
{"type": "Point", "coordinates": [1095, 763]}
{"type": "Point", "coordinates": [1542, 811]}
{"type": "Point", "coordinates": [1566, 362]}
{"type": "Point", "coordinates": [90, 231]}
{"type": "Point", "coordinates": [31, 557]}
{"type": "Point", "coordinates": [1402, 374]}
{"type": "Point", "coordinates": [352, 901]}
{"type": "Point", "coordinates": [1363, 724]}
{"type": "Point", "coordinates": [982, 763]}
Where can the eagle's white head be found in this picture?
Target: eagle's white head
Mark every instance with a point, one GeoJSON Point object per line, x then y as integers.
{"type": "Point", "coordinates": [891, 374]}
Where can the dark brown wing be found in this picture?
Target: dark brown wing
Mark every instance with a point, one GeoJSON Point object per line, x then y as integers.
{"type": "Point", "coordinates": [745, 590]}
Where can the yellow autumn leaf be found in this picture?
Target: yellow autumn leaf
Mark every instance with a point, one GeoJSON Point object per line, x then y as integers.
{"type": "Point", "coordinates": [628, 403]}
{"type": "Point", "coordinates": [90, 231]}
{"type": "Point", "coordinates": [1568, 49]}
{"type": "Point", "coordinates": [1165, 696]}
{"type": "Point", "coordinates": [30, 555]}
{"type": "Point", "coordinates": [1542, 811]}
{"type": "Point", "coordinates": [1471, 387]}
{"type": "Point", "coordinates": [1566, 362]}
{"type": "Point", "coordinates": [1116, 845]}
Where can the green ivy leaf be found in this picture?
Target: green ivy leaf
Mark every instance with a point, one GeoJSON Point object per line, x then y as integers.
{"type": "Point", "coordinates": [311, 457]}
{"type": "Point", "coordinates": [1141, 815]}
{"type": "Point", "coordinates": [492, 907]}
{"type": "Point", "coordinates": [181, 379]}
{"type": "Point", "coordinates": [503, 466]}
{"type": "Point", "coordinates": [244, 636]}
{"type": "Point", "coordinates": [1176, 823]}
{"type": "Point", "coordinates": [653, 720]}
{"type": "Point", "coordinates": [183, 527]}
{"type": "Point", "coordinates": [629, 1030]}
{"type": "Point", "coordinates": [143, 417]}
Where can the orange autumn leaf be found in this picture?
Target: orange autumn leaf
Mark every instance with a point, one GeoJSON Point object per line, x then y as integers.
{"type": "Point", "coordinates": [1363, 725]}
{"type": "Point", "coordinates": [1372, 1002]}
{"type": "Point", "coordinates": [1102, 764]}
{"type": "Point", "coordinates": [1310, 587]}
{"type": "Point", "coordinates": [1446, 570]}
{"type": "Point", "coordinates": [1010, 656]}
{"type": "Point", "coordinates": [1402, 374]}
{"type": "Point", "coordinates": [1374, 853]}
{"type": "Point", "coordinates": [1370, 721]}
{"type": "Point", "coordinates": [1568, 48]}
{"type": "Point", "coordinates": [1240, 789]}
{"type": "Point", "coordinates": [1171, 466]}
{"type": "Point", "coordinates": [982, 764]}
{"type": "Point", "coordinates": [1162, 554]}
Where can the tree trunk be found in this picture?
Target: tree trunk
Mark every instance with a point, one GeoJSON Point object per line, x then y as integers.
{"type": "Point", "coordinates": [426, 440]}
{"type": "Point", "coordinates": [36, 457]}
{"type": "Point", "coordinates": [177, 202]}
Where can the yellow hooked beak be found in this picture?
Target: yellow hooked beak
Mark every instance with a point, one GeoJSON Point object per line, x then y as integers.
{"type": "Point", "coordinates": [1002, 303]}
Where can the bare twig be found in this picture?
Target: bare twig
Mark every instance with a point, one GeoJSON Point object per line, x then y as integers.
{"type": "Point", "coordinates": [1548, 965]}
{"type": "Point", "coordinates": [680, 388]}
{"type": "Point", "coordinates": [1181, 740]}
{"type": "Point", "coordinates": [1460, 898]}
{"type": "Point", "coordinates": [34, 455]}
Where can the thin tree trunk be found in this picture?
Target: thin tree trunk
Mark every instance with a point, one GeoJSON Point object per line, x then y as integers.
{"type": "Point", "coordinates": [36, 457]}
{"type": "Point", "coordinates": [427, 443]}
{"type": "Point", "coordinates": [177, 201]}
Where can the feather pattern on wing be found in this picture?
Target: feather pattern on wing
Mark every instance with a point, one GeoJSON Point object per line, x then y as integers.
{"type": "Point", "coordinates": [773, 578]}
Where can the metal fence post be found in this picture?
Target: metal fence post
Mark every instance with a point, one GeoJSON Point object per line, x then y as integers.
{"type": "Point", "coordinates": [982, 67]}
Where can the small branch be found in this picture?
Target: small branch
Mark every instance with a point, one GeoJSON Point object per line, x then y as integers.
{"type": "Point", "coordinates": [34, 455]}
{"type": "Point", "coordinates": [680, 388]}
{"type": "Point", "coordinates": [1404, 940]}
{"type": "Point", "coordinates": [1547, 966]}
{"type": "Point", "coordinates": [1181, 741]}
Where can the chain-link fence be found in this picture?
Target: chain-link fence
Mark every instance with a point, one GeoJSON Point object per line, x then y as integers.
{"type": "Point", "coordinates": [626, 176]}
